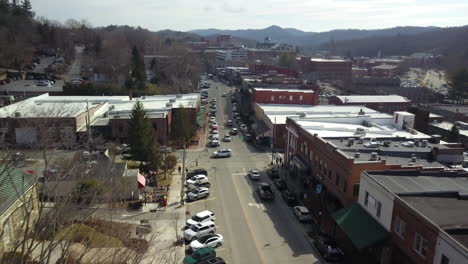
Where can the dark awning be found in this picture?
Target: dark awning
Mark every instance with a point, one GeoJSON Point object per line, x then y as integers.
{"type": "Point", "coordinates": [260, 127]}
{"type": "Point", "coordinates": [359, 226]}
{"type": "Point", "coordinates": [296, 160]}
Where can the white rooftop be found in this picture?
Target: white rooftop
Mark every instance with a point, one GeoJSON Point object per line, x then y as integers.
{"type": "Point", "coordinates": [362, 99]}
{"type": "Point", "coordinates": [328, 60]}
{"type": "Point", "coordinates": [61, 106]}
{"type": "Point", "coordinates": [283, 90]}
{"type": "Point", "coordinates": [282, 111]}
{"type": "Point", "coordinates": [448, 126]}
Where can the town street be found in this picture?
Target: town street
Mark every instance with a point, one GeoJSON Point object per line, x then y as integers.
{"type": "Point", "coordinates": [254, 231]}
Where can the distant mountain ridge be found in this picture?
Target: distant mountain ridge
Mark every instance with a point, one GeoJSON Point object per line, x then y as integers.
{"type": "Point", "coordinates": [301, 38]}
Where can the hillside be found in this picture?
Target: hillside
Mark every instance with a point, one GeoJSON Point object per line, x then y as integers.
{"type": "Point", "coordinates": [302, 38]}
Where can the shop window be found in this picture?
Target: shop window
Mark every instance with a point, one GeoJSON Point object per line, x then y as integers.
{"type": "Point", "coordinates": [420, 245]}
{"type": "Point", "coordinates": [399, 227]}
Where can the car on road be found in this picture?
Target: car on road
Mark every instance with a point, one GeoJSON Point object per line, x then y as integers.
{"type": "Point", "coordinates": [327, 247]}
{"type": "Point", "coordinates": [280, 184]}
{"type": "Point", "coordinates": [200, 255]}
{"type": "Point", "coordinates": [212, 240]}
{"type": "Point", "coordinates": [302, 213]}
{"type": "Point", "coordinates": [213, 100]}
{"type": "Point", "coordinates": [234, 131]}
{"type": "Point", "coordinates": [248, 137]}
{"type": "Point", "coordinates": [44, 83]}
{"type": "Point", "coordinates": [200, 230]}
{"type": "Point", "coordinates": [265, 191]}
{"type": "Point", "coordinates": [198, 193]}
{"type": "Point", "coordinates": [273, 173]}
{"type": "Point", "coordinates": [198, 171]}
{"type": "Point", "coordinates": [200, 217]}
{"type": "Point", "coordinates": [213, 111]}
{"type": "Point", "coordinates": [215, 260]}
{"type": "Point", "coordinates": [243, 128]}
{"type": "Point", "coordinates": [227, 138]}
{"type": "Point", "coordinates": [222, 153]}
{"type": "Point", "coordinates": [214, 142]}
{"type": "Point", "coordinates": [229, 123]}
{"type": "Point", "coordinates": [289, 197]}
{"type": "Point", "coordinates": [234, 108]}
{"type": "Point", "coordinates": [223, 95]}
{"type": "Point", "coordinates": [254, 174]}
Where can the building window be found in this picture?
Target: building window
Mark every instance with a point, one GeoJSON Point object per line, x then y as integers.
{"type": "Point", "coordinates": [300, 97]}
{"type": "Point", "coordinates": [420, 245]}
{"type": "Point", "coordinates": [444, 260]}
{"type": "Point", "coordinates": [345, 186]}
{"type": "Point", "coordinates": [290, 98]}
{"type": "Point", "coordinates": [366, 199]}
{"type": "Point", "coordinates": [399, 227]}
{"type": "Point", "coordinates": [337, 179]}
{"type": "Point", "coordinates": [272, 98]}
{"type": "Point", "coordinates": [379, 209]}
{"type": "Point", "coordinates": [356, 189]}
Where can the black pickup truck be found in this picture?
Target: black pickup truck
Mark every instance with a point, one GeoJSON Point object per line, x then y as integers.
{"type": "Point", "coordinates": [265, 191]}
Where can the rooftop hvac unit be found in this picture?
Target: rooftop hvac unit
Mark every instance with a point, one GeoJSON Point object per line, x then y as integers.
{"type": "Point", "coordinates": [111, 107]}
{"type": "Point", "coordinates": [357, 155]}
{"type": "Point", "coordinates": [116, 116]}
{"type": "Point", "coordinates": [360, 141]}
{"type": "Point", "coordinates": [350, 141]}
{"type": "Point", "coordinates": [17, 114]}
{"type": "Point", "coordinates": [169, 105]}
{"type": "Point", "coordinates": [172, 100]}
{"type": "Point", "coordinates": [413, 158]}
{"type": "Point", "coordinates": [302, 114]}
{"type": "Point", "coordinates": [424, 143]}
{"type": "Point", "coordinates": [373, 156]}
{"type": "Point", "coordinates": [360, 131]}
{"type": "Point", "coordinates": [179, 96]}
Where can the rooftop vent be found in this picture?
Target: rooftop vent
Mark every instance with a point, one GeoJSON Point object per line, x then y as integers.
{"type": "Point", "coordinates": [373, 156]}
{"type": "Point", "coordinates": [424, 143]}
{"type": "Point", "coordinates": [179, 96]}
{"type": "Point", "coordinates": [17, 114]}
{"type": "Point", "coordinates": [361, 112]}
{"type": "Point", "coordinates": [366, 123]}
{"type": "Point", "coordinates": [386, 143]}
{"type": "Point", "coordinates": [357, 155]}
{"type": "Point", "coordinates": [413, 158]}
{"type": "Point", "coordinates": [111, 107]}
{"type": "Point", "coordinates": [302, 115]}
{"type": "Point", "coordinates": [360, 131]}
{"type": "Point", "coordinates": [360, 141]}
{"type": "Point", "coordinates": [371, 144]}
{"type": "Point", "coordinates": [350, 141]}
{"type": "Point", "coordinates": [409, 144]}
{"type": "Point", "coordinates": [172, 100]}
{"type": "Point", "coordinates": [116, 116]}
{"type": "Point", "coordinates": [168, 104]}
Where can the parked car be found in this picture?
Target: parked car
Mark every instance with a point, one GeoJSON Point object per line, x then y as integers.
{"type": "Point", "coordinates": [273, 173]}
{"type": "Point", "coordinates": [243, 128]}
{"type": "Point", "coordinates": [166, 149]}
{"type": "Point", "coordinates": [248, 137]}
{"type": "Point", "coordinates": [215, 136]}
{"type": "Point", "coordinates": [222, 153]}
{"type": "Point", "coordinates": [197, 172]}
{"type": "Point", "coordinates": [200, 255]}
{"type": "Point", "coordinates": [213, 240]}
{"type": "Point", "coordinates": [302, 213]}
{"type": "Point", "coordinates": [289, 197]}
{"type": "Point", "coordinates": [200, 230]}
{"type": "Point", "coordinates": [229, 123]}
{"type": "Point", "coordinates": [200, 217]}
{"type": "Point", "coordinates": [254, 174]}
{"type": "Point", "coordinates": [43, 83]}
{"type": "Point", "coordinates": [215, 260]}
{"type": "Point", "coordinates": [223, 95]}
{"type": "Point", "coordinates": [280, 184]}
{"type": "Point", "coordinates": [234, 131]}
{"type": "Point", "coordinates": [214, 142]}
{"type": "Point", "coordinates": [227, 138]}
{"type": "Point", "coordinates": [198, 194]}
{"type": "Point", "coordinates": [212, 119]}
{"type": "Point", "coordinates": [199, 179]}
{"type": "Point", "coordinates": [265, 191]}
{"type": "Point", "coordinates": [214, 124]}
{"type": "Point", "coordinates": [327, 247]}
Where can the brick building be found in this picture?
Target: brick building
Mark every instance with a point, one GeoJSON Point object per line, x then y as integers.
{"type": "Point", "coordinates": [381, 103]}
{"type": "Point", "coordinates": [285, 96]}
{"type": "Point", "coordinates": [424, 211]}
{"type": "Point", "coordinates": [328, 69]}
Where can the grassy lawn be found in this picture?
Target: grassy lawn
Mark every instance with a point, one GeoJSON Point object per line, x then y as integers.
{"type": "Point", "coordinates": [86, 234]}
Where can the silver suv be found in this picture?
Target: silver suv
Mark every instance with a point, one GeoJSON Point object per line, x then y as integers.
{"type": "Point", "coordinates": [200, 230]}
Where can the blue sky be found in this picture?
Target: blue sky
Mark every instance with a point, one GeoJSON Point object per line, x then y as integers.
{"type": "Point", "coordinates": [307, 15]}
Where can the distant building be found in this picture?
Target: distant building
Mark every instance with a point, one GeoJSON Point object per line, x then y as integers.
{"type": "Point", "coordinates": [381, 103]}
{"type": "Point", "coordinates": [285, 96]}
{"type": "Point", "coordinates": [336, 70]}
{"type": "Point", "coordinates": [232, 55]}
{"type": "Point", "coordinates": [384, 70]}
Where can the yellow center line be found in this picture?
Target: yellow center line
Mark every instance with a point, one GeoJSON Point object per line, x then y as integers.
{"type": "Point", "coordinates": [260, 253]}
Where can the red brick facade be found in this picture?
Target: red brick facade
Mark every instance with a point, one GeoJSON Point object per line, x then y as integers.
{"type": "Point", "coordinates": [414, 224]}
{"type": "Point", "coordinates": [277, 96]}
{"type": "Point", "coordinates": [328, 69]}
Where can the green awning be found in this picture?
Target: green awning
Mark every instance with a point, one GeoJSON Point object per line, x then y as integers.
{"type": "Point", "coordinates": [359, 226]}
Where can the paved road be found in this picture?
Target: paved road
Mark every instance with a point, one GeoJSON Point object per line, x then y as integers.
{"type": "Point", "coordinates": [254, 232]}
{"type": "Point", "coordinates": [75, 68]}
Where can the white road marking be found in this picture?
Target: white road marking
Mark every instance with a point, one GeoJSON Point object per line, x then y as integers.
{"type": "Point", "coordinates": [240, 173]}
{"type": "Point", "coordinates": [260, 206]}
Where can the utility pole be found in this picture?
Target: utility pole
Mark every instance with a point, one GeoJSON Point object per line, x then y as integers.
{"type": "Point", "coordinates": [165, 162]}
{"type": "Point", "coordinates": [182, 202]}
{"type": "Point", "coordinates": [273, 143]}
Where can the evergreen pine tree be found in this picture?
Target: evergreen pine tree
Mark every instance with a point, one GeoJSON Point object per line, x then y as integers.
{"type": "Point", "coordinates": [142, 139]}
{"type": "Point", "coordinates": [26, 8]}
{"type": "Point", "coordinates": [454, 134]}
{"type": "Point", "coordinates": [138, 75]}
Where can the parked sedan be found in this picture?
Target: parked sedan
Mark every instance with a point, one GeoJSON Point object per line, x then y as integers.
{"type": "Point", "coordinates": [302, 213]}
{"type": "Point", "coordinates": [222, 153]}
{"type": "Point", "coordinates": [198, 193]}
{"type": "Point", "coordinates": [254, 174]}
{"type": "Point", "coordinates": [327, 247]}
{"type": "Point", "coordinates": [273, 173]}
{"type": "Point", "coordinates": [213, 240]}
{"type": "Point", "coordinates": [227, 138]}
{"type": "Point", "coordinates": [280, 184]}
{"type": "Point", "coordinates": [289, 197]}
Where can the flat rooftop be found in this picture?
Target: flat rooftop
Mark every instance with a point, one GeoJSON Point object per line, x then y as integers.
{"type": "Point", "coordinates": [448, 126]}
{"type": "Point", "coordinates": [328, 60]}
{"type": "Point", "coordinates": [362, 99]}
{"type": "Point", "coordinates": [283, 90]}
